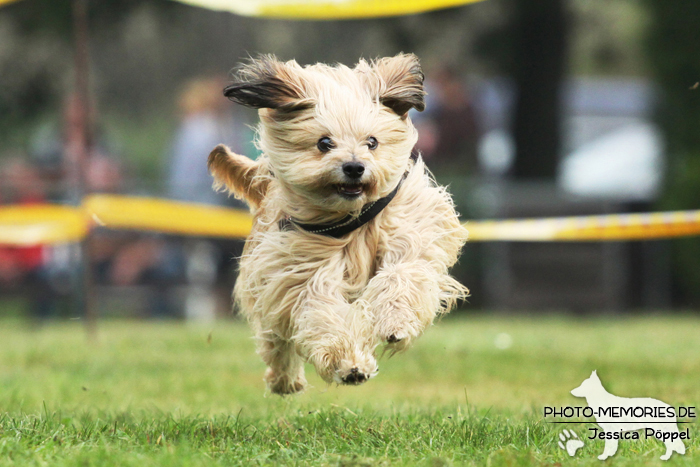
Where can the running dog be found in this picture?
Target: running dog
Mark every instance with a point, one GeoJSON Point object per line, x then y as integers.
{"type": "Point", "coordinates": [352, 238]}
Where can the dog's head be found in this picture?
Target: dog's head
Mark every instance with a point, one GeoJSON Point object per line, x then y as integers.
{"type": "Point", "coordinates": [336, 137]}
{"type": "Point", "coordinates": [590, 386]}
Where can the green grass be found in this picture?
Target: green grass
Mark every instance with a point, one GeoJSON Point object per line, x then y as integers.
{"type": "Point", "coordinates": [170, 394]}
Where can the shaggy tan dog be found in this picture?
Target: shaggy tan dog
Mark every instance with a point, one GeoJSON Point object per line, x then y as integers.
{"type": "Point", "coordinates": [352, 238]}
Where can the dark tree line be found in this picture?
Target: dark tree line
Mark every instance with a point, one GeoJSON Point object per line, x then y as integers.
{"type": "Point", "coordinates": [539, 31]}
{"type": "Point", "coordinates": [673, 45]}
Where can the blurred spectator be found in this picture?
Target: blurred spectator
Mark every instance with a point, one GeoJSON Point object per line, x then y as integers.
{"type": "Point", "coordinates": [207, 120]}
{"type": "Point", "coordinates": [30, 266]}
{"type": "Point", "coordinates": [117, 258]}
{"type": "Point", "coordinates": [448, 132]}
{"type": "Point", "coordinates": [20, 184]}
{"type": "Point", "coordinates": [54, 148]}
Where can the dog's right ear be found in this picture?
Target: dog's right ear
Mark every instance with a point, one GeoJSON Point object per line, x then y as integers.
{"type": "Point", "coordinates": [267, 83]}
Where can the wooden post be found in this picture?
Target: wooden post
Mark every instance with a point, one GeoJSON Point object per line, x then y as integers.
{"type": "Point", "coordinates": [78, 145]}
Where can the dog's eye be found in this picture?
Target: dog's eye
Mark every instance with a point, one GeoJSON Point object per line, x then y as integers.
{"type": "Point", "coordinates": [325, 144]}
{"type": "Point", "coordinates": [372, 142]}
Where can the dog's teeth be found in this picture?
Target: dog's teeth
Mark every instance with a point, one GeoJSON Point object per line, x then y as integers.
{"type": "Point", "coordinates": [352, 190]}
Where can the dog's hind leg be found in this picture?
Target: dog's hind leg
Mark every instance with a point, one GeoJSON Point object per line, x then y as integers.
{"type": "Point", "coordinates": [609, 450]}
{"type": "Point", "coordinates": [285, 371]}
{"type": "Point", "coordinates": [673, 445]}
{"type": "Point", "coordinates": [678, 446]}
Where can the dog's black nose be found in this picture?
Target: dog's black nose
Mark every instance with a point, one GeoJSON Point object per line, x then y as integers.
{"type": "Point", "coordinates": [353, 170]}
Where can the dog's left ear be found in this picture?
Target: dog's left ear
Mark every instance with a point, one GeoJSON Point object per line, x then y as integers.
{"type": "Point", "coordinates": [403, 83]}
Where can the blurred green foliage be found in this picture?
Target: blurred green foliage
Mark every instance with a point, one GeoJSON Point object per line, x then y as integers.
{"type": "Point", "coordinates": [36, 57]}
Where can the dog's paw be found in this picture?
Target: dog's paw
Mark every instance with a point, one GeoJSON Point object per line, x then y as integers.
{"type": "Point", "coordinates": [284, 384]}
{"type": "Point", "coordinates": [350, 368]}
{"type": "Point", "coordinates": [355, 370]}
{"type": "Point", "coordinates": [395, 338]}
{"type": "Point", "coordinates": [398, 329]}
{"type": "Point", "coordinates": [355, 377]}
{"type": "Point", "coordinates": [398, 341]}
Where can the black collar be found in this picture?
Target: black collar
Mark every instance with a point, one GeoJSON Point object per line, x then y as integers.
{"type": "Point", "coordinates": [348, 223]}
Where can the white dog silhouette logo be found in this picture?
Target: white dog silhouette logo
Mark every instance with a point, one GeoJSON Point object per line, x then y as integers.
{"type": "Point", "coordinates": [618, 415]}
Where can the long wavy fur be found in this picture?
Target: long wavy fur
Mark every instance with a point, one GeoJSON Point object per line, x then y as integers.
{"type": "Point", "coordinates": [328, 301]}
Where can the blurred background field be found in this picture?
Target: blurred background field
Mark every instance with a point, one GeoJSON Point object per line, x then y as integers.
{"type": "Point", "coordinates": [563, 107]}
{"type": "Point", "coordinates": [535, 108]}
{"type": "Point", "coordinates": [200, 390]}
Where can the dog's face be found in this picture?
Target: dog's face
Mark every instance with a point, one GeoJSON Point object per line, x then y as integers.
{"type": "Point", "coordinates": [588, 387]}
{"type": "Point", "coordinates": [336, 137]}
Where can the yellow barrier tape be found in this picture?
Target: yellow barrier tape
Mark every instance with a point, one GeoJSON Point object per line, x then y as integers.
{"type": "Point", "coordinates": [41, 224]}
{"type": "Point", "coordinates": [125, 212]}
{"type": "Point", "coordinates": [589, 228]}
{"type": "Point", "coordinates": [48, 224]}
{"type": "Point", "coordinates": [325, 9]}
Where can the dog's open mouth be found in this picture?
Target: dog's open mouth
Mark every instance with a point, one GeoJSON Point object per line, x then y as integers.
{"type": "Point", "coordinates": [350, 191]}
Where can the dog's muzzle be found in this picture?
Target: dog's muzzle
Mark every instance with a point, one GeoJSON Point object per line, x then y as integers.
{"type": "Point", "coordinates": [352, 188]}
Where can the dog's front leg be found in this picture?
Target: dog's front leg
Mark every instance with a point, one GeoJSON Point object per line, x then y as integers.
{"type": "Point", "coordinates": [405, 298]}
{"type": "Point", "coordinates": [334, 336]}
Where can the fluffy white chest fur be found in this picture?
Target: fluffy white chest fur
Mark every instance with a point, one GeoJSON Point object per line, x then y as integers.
{"type": "Point", "coordinates": [335, 140]}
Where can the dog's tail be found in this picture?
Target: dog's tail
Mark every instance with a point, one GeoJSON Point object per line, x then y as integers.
{"type": "Point", "coordinates": [244, 178]}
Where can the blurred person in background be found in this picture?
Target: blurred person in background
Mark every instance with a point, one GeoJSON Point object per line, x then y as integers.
{"type": "Point", "coordinates": [448, 130]}
{"type": "Point", "coordinates": [207, 119]}
{"type": "Point", "coordinates": [447, 140]}
{"type": "Point", "coordinates": [128, 259]}
{"type": "Point", "coordinates": [117, 258]}
{"type": "Point", "coordinates": [20, 184]}
{"type": "Point", "coordinates": [53, 149]}
{"type": "Point", "coordinates": [28, 269]}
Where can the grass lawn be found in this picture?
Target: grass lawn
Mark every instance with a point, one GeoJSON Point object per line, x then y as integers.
{"type": "Point", "coordinates": [169, 394]}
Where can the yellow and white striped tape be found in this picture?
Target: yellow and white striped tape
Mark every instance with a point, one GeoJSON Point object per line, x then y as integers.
{"type": "Point", "coordinates": [589, 228]}
{"type": "Point", "coordinates": [159, 215]}
{"type": "Point", "coordinates": [320, 9]}
{"type": "Point", "coordinates": [325, 9]}
{"type": "Point", "coordinates": [41, 224]}
{"type": "Point", "coordinates": [49, 224]}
